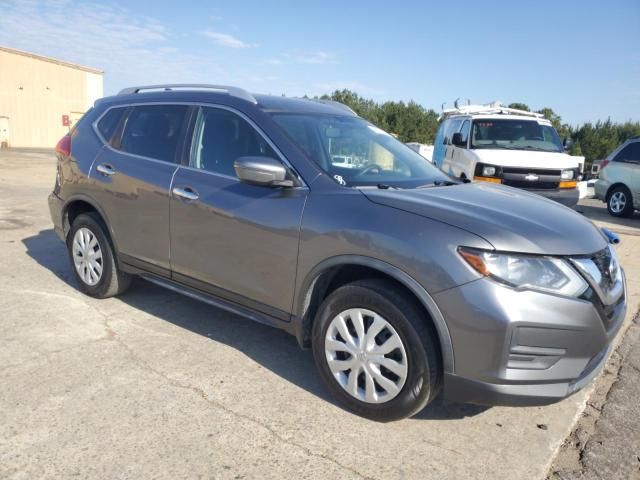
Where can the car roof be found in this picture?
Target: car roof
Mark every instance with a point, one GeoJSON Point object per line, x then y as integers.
{"type": "Point", "coordinates": [267, 103]}
{"type": "Point", "coordinates": [273, 103]}
{"type": "Point", "coordinates": [499, 116]}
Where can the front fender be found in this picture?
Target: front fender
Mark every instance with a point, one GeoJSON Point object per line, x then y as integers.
{"type": "Point", "coordinates": [303, 296]}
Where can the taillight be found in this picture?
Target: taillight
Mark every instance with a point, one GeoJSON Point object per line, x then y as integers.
{"type": "Point", "coordinates": [64, 146]}
{"type": "Point", "coordinates": [604, 163]}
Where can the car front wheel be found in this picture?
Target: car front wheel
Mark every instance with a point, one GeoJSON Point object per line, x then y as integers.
{"type": "Point", "coordinates": [376, 351]}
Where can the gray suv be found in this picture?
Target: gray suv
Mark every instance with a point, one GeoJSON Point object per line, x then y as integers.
{"type": "Point", "coordinates": [404, 281]}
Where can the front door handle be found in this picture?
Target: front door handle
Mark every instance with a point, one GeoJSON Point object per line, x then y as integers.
{"type": "Point", "coordinates": [186, 193]}
{"type": "Point", "coordinates": [105, 169]}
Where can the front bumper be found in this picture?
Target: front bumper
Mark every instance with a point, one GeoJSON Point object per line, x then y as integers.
{"type": "Point", "coordinates": [523, 347]}
{"type": "Point", "coordinates": [600, 189]}
{"type": "Point", "coordinates": [566, 196]}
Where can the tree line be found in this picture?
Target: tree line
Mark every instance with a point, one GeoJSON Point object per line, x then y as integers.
{"type": "Point", "coordinates": [412, 122]}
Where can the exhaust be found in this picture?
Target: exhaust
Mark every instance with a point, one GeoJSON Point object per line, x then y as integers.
{"type": "Point", "coordinates": [611, 237]}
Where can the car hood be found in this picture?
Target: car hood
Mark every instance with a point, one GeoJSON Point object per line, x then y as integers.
{"type": "Point", "coordinates": [510, 219]}
{"type": "Point", "coordinates": [525, 158]}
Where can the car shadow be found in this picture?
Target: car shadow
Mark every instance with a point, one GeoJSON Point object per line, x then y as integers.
{"type": "Point", "coordinates": [272, 348]}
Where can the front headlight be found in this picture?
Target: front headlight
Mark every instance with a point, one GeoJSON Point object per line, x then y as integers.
{"type": "Point", "coordinates": [488, 171]}
{"type": "Point", "coordinates": [567, 175]}
{"type": "Point", "coordinates": [548, 274]}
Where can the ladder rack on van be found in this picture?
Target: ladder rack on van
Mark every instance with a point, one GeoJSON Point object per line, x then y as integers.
{"type": "Point", "coordinates": [233, 91]}
{"type": "Point", "coordinates": [488, 109]}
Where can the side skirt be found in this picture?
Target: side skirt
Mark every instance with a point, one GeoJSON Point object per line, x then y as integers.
{"type": "Point", "coordinates": [223, 304]}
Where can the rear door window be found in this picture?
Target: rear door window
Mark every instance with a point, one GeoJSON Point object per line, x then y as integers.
{"type": "Point", "coordinates": [109, 122]}
{"type": "Point", "coordinates": [153, 131]}
{"type": "Point", "coordinates": [629, 154]}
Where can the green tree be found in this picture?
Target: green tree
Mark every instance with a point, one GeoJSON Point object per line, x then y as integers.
{"type": "Point", "coordinates": [412, 122]}
{"type": "Point", "coordinates": [520, 106]}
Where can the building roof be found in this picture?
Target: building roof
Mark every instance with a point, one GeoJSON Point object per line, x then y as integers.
{"type": "Point", "coordinates": [51, 60]}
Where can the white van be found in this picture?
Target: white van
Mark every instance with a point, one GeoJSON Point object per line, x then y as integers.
{"type": "Point", "coordinates": [492, 143]}
{"type": "Point", "coordinates": [424, 150]}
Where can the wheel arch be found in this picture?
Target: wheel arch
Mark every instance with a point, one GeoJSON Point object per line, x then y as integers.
{"type": "Point", "coordinates": [318, 282]}
{"type": "Point", "coordinates": [78, 204]}
{"type": "Point", "coordinates": [615, 185]}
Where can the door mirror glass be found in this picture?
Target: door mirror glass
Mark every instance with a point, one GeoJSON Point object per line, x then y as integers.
{"type": "Point", "coordinates": [264, 171]}
{"type": "Point", "coordinates": [458, 140]}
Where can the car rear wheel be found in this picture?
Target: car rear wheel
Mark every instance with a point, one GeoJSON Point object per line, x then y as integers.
{"type": "Point", "coordinates": [376, 352]}
{"type": "Point", "coordinates": [620, 202]}
{"type": "Point", "coordinates": [92, 258]}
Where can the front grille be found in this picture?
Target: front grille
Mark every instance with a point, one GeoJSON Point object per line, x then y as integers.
{"type": "Point", "coordinates": [531, 185]}
{"type": "Point", "coordinates": [527, 171]}
{"type": "Point", "coordinates": [603, 259]}
{"type": "Point", "coordinates": [608, 313]}
{"type": "Point", "coordinates": [531, 178]}
{"type": "Point", "coordinates": [605, 278]}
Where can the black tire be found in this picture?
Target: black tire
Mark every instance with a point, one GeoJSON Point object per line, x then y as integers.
{"type": "Point", "coordinates": [617, 192]}
{"type": "Point", "coordinates": [112, 281]}
{"type": "Point", "coordinates": [424, 375]}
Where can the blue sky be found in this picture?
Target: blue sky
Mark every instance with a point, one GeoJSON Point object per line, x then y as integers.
{"type": "Point", "coordinates": [582, 58]}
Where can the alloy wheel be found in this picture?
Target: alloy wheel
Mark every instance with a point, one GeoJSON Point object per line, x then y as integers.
{"type": "Point", "coordinates": [618, 202]}
{"type": "Point", "coordinates": [366, 355]}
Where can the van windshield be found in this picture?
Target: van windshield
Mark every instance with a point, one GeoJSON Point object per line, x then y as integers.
{"type": "Point", "coordinates": [356, 153]}
{"type": "Point", "coordinates": [515, 135]}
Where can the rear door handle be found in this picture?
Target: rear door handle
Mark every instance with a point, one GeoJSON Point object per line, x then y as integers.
{"type": "Point", "coordinates": [105, 169]}
{"type": "Point", "coordinates": [186, 193]}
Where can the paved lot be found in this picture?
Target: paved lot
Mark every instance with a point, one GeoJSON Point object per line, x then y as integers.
{"type": "Point", "coordinates": [156, 385]}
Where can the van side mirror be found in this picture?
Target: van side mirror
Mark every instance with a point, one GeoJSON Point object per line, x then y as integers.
{"type": "Point", "coordinates": [264, 171]}
{"type": "Point", "coordinates": [458, 141]}
{"type": "Point", "coordinates": [568, 144]}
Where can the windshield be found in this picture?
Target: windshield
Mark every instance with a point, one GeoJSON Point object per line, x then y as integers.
{"type": "Point", "coordinates": [515, 135]}
{"type": "Point", "coordinates": [355, 153]}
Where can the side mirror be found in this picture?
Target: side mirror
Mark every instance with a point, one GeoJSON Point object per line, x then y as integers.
{"type": "Point", "coordinates": [264, 171]}
{"type": "Point", "coordinates": [568, 144]}
{"type": "Point", "coordinates": [458, 141]}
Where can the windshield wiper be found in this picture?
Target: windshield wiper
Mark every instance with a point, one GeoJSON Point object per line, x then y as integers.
{"type": "Point", "coordinates": [441, 183]}
{"type": "Point", "coordinates": [385, 186]}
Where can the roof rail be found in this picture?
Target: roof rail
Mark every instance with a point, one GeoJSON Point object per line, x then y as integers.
{"type": "Point", "coordinates": [233, 91]}
{"type": "Point", "coordinates": [339, 105]}
{"type": "Point", "coordinates": [487, 109]}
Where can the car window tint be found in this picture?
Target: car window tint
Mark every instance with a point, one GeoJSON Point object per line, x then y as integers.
{"type": "Point", "coordinates": [221, 138]}
{"type": "Point", "coordinates": [453, 128]}
{"type": "Point", "coordinates": [153, 131]}
{"type": "Point", "coordinates": [465, 130]}
{"type": "Point", "coordinates": [630, 153]}
{"type": "Point", "coordinates": [109, 122]}
{"type": "Point", "coordinates": [302, 136]}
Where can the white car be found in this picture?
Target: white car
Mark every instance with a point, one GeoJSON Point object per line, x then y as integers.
{"type": "Point", "coordinates": [343, 161]}
{"type": "Point", "coordinates": [512, 147]}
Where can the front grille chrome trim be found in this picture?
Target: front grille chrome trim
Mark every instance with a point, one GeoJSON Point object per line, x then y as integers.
{"type": "Point", "coordinates": [603, 273]}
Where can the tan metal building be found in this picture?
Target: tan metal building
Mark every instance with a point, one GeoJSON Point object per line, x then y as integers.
{"type": "Point", "coordinates": [41, 97]}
